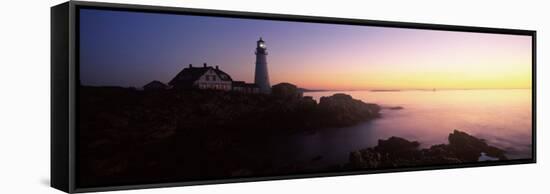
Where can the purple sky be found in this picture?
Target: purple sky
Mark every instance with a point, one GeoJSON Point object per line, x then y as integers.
{"type": "Point", "coordinates": [119, 48]}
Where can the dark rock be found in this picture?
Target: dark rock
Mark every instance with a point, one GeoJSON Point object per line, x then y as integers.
{"type": "Point", "coordinates": [395, 107]}
{"type": "Point", "coordinates": [286, 90]}
{"type": "Point", "coordinates": [469, 148]}
{"type": "Point", "coordinates": [395, 145]}
{"type": "Point", "coordinates": [366, 158]}
{"type": "Point", "coordinates": [356, 159]}
{"type": "Point", "coordinates": [398, 152]}
{"type": "Point", "coordinates": [342, 110]}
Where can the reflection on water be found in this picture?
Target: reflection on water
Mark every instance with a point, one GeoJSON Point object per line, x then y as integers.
{"type": "Point", "coordinates": [502, 117]}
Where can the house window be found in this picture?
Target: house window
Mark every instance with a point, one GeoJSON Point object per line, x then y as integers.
{"type": "Point", "coordinates": [207, 78]}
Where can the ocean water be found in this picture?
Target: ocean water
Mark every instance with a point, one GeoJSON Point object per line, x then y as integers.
{"type": "Point", "coordinates": [502, 117]}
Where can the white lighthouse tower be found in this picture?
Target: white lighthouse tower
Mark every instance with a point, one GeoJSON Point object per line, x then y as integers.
{"type": "Point", "coordinates": [261, 77]}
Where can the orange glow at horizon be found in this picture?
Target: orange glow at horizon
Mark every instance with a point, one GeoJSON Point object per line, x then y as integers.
{"type": "Point", "coordinates": [410, 80]}
{"type": "Point", "coordinates": [449, 60]}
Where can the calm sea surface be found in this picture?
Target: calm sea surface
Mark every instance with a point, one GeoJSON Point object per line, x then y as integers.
{"type": "Point", "coordinates": [502, 117]}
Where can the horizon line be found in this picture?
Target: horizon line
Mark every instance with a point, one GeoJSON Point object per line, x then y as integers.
{"type": "Point", "coordinates": [364, 89]}
{"type": "Point", "coordinates": [412, 89]}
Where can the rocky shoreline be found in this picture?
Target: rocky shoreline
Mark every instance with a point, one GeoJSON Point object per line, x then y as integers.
{"type": "Point", "coordinates": [127, 135]}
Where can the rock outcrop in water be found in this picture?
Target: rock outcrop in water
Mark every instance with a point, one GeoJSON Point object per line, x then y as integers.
{"type": "Point", "coordinates": [394, 107]}
{"type": "Point", "coordinates": [399, 152]}
{"type": "Point", "coordinates": [342, 110]}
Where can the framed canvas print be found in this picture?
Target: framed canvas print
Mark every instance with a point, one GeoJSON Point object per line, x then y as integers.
{"type": "Point", "coordinates": [146, 96]}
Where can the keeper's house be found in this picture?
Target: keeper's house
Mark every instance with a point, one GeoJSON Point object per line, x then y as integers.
{"type": "Point", "coordinates": [209, 78]}
{"type": "Point", "coordinates": [205, 77]}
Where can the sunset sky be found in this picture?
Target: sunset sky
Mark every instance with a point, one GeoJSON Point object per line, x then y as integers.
{"type": "Point", "coordinates": [131, 49]}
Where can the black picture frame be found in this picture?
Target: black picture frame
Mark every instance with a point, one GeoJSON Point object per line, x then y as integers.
{"type": "Point", "coordinates": [65, 76]}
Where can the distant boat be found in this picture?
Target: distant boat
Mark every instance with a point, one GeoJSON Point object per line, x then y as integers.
{"type": "Point", "coordinates": [434, 90]}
